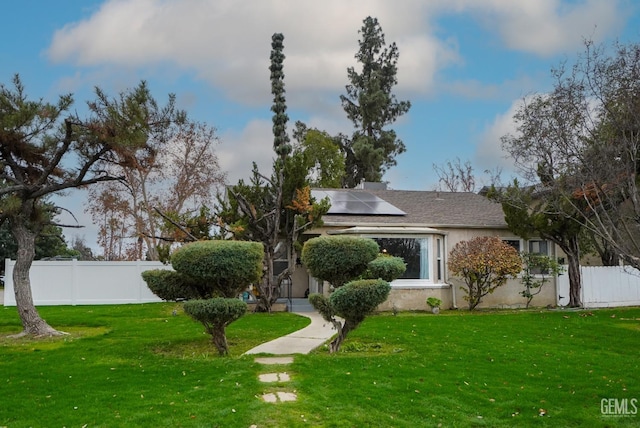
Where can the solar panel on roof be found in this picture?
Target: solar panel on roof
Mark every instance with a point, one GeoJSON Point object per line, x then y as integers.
{"type": "Point", "coordinates": [356, 203]}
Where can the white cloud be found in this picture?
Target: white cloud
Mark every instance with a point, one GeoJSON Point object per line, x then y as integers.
{"type": "Point", "coordinates": [546, 27]}
{"type": "Point", "coordinates": [239, 150]}
{"type": "Point", "coordinates": [227, 43]}
{"type": "Point", "coordinates": [489, 154]}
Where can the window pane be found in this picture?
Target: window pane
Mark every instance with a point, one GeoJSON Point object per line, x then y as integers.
{"type": "Point", "coordinates": [413, 251]}
{"type": "Point", "coordinates": [538, 247]}
{"type": "Point", "coordinates": [515, 243]}
{"type": "Point", "coordinates": [541, 248]}
{"type": "Point", "coordinates": [439, 258]}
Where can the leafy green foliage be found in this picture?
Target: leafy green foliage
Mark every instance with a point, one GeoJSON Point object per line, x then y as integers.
{"type": "Point", "coordinates": [173, 286]}
{"type": "Point", "coordinates": [357, 299]}
{"type": "Point", "coordinates": [434, 302]}
{"type": "Point", "coordinates": [537, 269]}
{"type": "Point", "coordinates": [484, 263]}
{"type": "Point", "coordinates": [551, 216]}
{"type": "Point", "coordinates": [320, 157]}
{"type": "Point", "coordinates": [215, 314]}
{"type": "Point", "coordinates": [280, 138]}
{"type": "Point", "coordinates": [322, 305]}
{"type": "Point", "coordinates": [338, 259]}
{"type": "Point", "coordinates": [226, 266]}
{"type": "Point", "coordinates": [219, 311]}
{"type": "Point", "coordinates": [386, 267]}
{"type": "Point", "coordinates": [268, 209]}
{"type": "Point", "coordinates": [207, 269]}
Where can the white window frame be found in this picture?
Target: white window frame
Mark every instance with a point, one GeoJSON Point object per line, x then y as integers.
{"type": "Point", "coordinates": [525, 247]}
{"type": "Point", "coordinates": [431, 259]}
{"type": "Point", "coordinates": [546, 241]}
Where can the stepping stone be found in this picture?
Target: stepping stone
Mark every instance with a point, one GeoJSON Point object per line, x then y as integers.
{"type": "Point", "coordinates": [274, 360]}
{"type": "Point", "coordinates": [274, 377]}
{"type": "Point", "coordinates": [287, 396]}
{"type": "Point", "coordinates": [279, 396]}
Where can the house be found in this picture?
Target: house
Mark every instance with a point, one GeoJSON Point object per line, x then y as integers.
{"type": "Point", "coordinates": [422, 227]}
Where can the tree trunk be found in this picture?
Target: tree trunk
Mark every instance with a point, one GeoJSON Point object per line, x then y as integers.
{"type": "Point", "coordinates": [219, 338]}
{"type": "Point", "coordinates": [269, 292]}
{"type": "Point", "coordinates": [572, 250]}
{"type": "Point", "coordinates": [610, 257]}
{"type": "Point", "coordinates": [343, 330]}
{"type": "Point", "coordinates": [32, 323]}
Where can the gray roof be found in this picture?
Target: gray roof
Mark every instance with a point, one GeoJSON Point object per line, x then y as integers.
{"type": "Point", "coordinates": [428, 208]}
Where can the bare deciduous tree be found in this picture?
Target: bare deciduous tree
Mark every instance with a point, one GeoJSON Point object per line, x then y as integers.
{"type": "Point", "coordinates": [176, 176]}
{"type": "Point", "coordinates": [455, 176]}
{"type": "Point", "coordinates": [583, 141]}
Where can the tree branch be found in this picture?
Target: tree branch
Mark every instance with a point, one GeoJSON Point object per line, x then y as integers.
{"type": "Point", "coordinates": [179, 226]}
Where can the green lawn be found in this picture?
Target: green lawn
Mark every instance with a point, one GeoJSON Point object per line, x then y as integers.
{"type": "Point", "coordinates": [139, 365]}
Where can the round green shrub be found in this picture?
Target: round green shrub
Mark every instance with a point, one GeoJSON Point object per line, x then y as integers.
{"type": "Point", "coordinates": [226, 266]}
{"type": "Point", "coordinates": [215, 312]}
{"type": "Point", "coordinates": [386, 267]}
{"type": "Point", "coordinates": [356, 299]}
{"type": "Point", "coordinates": [338, 259]}
{"type": "Point", "coordinates": [172, 286]}
{"type": "Point", "coordinates": [321, 304]}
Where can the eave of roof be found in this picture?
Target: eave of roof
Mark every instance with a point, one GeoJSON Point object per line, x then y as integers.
{"type": "Point", "coordinates": [408, 230]}
{"type": "Point", "coordinates": [329, 223]}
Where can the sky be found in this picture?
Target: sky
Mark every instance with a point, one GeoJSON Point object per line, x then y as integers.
{"type": "Point", "coordinates": [465, 65]}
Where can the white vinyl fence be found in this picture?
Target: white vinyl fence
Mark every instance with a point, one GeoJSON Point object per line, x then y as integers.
{"type": "Point", "coordinates": [604, 286]}
{"type": "Point", "coordinates": [84, 282]}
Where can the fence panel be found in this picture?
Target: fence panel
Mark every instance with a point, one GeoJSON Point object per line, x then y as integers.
{"type": "Point", "coordinates": [84, 282]}
{"type": "Point", "coordinates": [604, 286]}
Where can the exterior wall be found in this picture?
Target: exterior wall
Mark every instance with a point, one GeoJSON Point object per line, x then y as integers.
{"type": "Point", "coordinates": [300, 280]}
{"type": "Point", "coordinates": [508, 296]}
{"type": "Point", "coordinates": [415, 299]}
{"type": "Point", "coordinates": [84, 282]}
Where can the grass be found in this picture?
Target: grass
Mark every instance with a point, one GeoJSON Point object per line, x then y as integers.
{"type": "Point", "coordinates": [138, 365]}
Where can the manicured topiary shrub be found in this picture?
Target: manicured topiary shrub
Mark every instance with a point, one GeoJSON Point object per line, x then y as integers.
{"type": "Point", "coordinates": [226, 266]}
{"type": "Point", "coordinates": [338, 259]}
{"type": "Point", "coordinates": [357, 299]}
{"type": "Point", "coordinates": [322, 305]}
{"type": "Point", "coordinates": [172, 286]}
{"type": "Point", "coordinates": [206, 269]}
{"type": "Point", "coordinates": [386, 267]}
{"type": "Point", "coordinates": [352, 302]}
{"type": "Point", "coordinates": [216, 315]}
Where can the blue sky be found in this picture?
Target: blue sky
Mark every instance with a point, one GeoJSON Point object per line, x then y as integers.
{"type": "Point", "coordinates": [464, 64]}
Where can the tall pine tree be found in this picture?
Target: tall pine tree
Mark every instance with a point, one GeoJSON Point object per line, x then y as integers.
{"type": "Point", "coordinates": [371, 106]}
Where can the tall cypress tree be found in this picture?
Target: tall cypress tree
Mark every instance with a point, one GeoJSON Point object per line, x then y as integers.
{"type": "Point", "coordinates": [371, 106]}
{"type": "Point", "coordinates": [280, 138]}
{"type": "Point", "coordinates": [273, 209]}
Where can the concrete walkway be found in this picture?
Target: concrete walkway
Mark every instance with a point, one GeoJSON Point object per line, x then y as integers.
{"type": "Point", "coordinates": [301, 341]}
